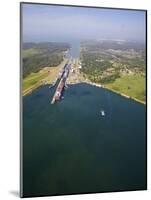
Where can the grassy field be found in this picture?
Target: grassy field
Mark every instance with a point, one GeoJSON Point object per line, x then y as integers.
{"type": "Point", "coordinates": [131, 85]}
{"type": "Point", "coordinates": [34, 80]}
{"type": "Point", "coordinates": [30, 52]}
{"type": "Point", "coordinates": [45, 76]}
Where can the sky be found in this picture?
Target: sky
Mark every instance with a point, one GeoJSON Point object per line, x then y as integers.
{"type": "Point", "coordinates": [63, 23]}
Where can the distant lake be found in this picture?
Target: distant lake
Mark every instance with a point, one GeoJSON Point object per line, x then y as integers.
{"type": "Point", "coordinates": [69, 147]}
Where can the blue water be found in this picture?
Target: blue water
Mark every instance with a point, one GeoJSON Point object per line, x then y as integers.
{"type": "Point", "coordinates": [74, 51]}
{"type": "Point", "coordinates": [69, 148]}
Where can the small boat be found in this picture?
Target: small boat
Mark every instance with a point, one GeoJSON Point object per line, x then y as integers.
{"type": "Point", "coordinates": [52, 85]}
{"type": "Point", "coordinates": [102, 112]}
{"type": "Point", "coordinates": [66, 86]}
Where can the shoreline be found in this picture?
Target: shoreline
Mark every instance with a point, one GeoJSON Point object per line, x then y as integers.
{"type": "Point", "coordinates": [30, 90]}
{"type": "Point", "coordinates": [72, 80]}
{"type": "Point", "coordinates": [112, 90]}
{"type": "Point", "coordinates": [81, 79]}
{"type": "Point", "coordinates": [119, 93]}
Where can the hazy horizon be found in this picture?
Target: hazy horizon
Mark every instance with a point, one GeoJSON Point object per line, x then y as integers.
{"type": "Point", "coordinates": [43, 23]}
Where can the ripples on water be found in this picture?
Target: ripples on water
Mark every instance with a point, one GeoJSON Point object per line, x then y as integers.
{"type": "Point", "coordinates": [70, 148]}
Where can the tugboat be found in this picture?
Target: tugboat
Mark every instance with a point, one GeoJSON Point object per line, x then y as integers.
{"type": "Point", "coordinates": [102, 112]}
{"type": "Point", "coordinates": [52, 85]}
{"type": "Point", "coordinates": [66, 87]}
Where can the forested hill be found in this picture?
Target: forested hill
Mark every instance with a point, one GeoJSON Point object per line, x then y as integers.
{"type": "Point", "coordinates": [38, 55]}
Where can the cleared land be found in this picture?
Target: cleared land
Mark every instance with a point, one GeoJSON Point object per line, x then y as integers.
{"type": "Point", "coordinates": [45, 76]}
{"type": "Point", "coordinates": [133, 86]}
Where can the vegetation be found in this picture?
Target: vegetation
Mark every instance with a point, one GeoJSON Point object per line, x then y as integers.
{"type": "Point", "coordinates": [34, 80]}
{"type": "Point", "coordinates": [40, 63]}
{"type": "Point", "coordinates": [133, 86]}
{"type": "Point", "coordinates": [30, 52]}
{"type": "Point", "coordinates": [39, 55]}
{"type": "Point", "coordinates": [118, 65]}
